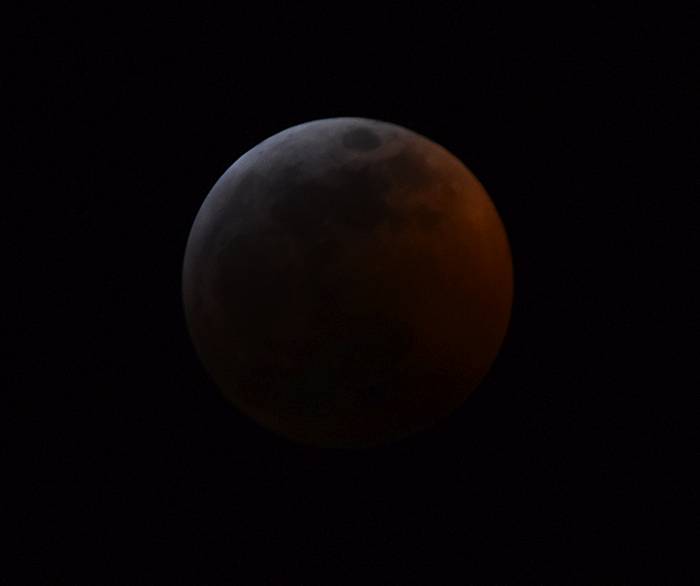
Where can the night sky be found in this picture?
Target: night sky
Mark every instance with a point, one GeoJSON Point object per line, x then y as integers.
{"type": "Point", "coordinates": [125, 463]}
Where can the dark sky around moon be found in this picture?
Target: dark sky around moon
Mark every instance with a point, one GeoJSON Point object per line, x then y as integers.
{"type": "Point", "coordinates": [118, 450]}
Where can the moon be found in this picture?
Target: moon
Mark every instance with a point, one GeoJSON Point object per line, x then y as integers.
{"type": "Point", "coordinates": [347, 282]}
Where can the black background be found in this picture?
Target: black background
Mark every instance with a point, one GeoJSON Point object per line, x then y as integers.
{"type": "Point", "coordinates": [129, 466]}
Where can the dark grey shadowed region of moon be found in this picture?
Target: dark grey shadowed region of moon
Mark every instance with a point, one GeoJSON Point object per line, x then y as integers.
{"type": "Point", "coordinates": [361, 139]}
{"type": "Point", "coordinates": [347, 282]}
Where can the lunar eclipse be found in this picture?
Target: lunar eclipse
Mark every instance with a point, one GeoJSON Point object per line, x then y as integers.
{"type": "Point", "coordinates": [347, 282]}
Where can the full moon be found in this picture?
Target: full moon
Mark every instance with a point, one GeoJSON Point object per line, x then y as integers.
{"type": "Point", "coordinates": [347, 282]}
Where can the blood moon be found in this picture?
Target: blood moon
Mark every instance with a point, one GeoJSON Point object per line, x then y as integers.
{"type": "Point", "coordinates": [347, 282]}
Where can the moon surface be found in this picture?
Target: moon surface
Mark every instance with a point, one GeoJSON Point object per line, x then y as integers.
{"type": "Point", "coordinates": [347, 282]}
